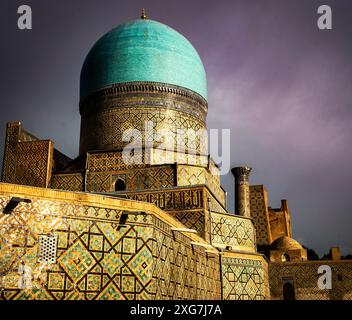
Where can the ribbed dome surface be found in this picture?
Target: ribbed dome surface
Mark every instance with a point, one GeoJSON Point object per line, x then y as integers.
{"type": "Point", "coordinates": [143, 50]}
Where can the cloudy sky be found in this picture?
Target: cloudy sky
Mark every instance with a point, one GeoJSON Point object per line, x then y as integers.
{"type": "Point", "coordinates": [279, 83]}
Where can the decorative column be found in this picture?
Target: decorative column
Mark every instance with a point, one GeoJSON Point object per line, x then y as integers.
{"type": "Point", "coordinates": [242, 205]}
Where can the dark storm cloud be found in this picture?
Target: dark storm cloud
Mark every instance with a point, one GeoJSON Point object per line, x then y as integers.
{"type": "Point", "coordinates": [281, 85]}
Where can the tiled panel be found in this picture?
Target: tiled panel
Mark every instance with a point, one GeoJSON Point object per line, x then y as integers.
{"type": "Point", "coordinates": [193, 175]}
{"type": "Point", "coordinates": [259, 212]}
{"type": "Point", "coordinates": [98, 257]}
{"type": "Point", "coordinates": [152, 177]}
{"type": "Point", "coordinates": [69, 182]}
{"type": "Point", "coordinates": [244, 278]}
{"type": "Point", "coordinates": [234, 231]}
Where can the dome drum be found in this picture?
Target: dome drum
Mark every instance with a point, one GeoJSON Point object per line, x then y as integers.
{"type": "Point", "coordinates": [174, 97]}
{"type": "Point", "coordinates": [107, 115]}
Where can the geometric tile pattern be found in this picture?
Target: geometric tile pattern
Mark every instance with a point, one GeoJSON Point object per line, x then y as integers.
{"type": "Point", "coordinates": [116, 121]}
{"type": "Point", "coordinates": [99, 182]}
{"type": "Point", "coordinates": [192, 175]}
{"type": "Point", "coordinates": [153, 177]}
{"type": "Point", "coordinates": [161, 93]}
{"type": "Point", "coordinates": [97, 258]}
{"type": "Point", "coordinates": [27, 161]}
{"type": "Point", "coordinates": [192, 220]}
{"type": "Point", "coordinates": [76, 261]}
{"type": "Point", "coordinates": [108, 162]}
{"type": "Point", "coordinates": [213, 205]}
{"type": "Point", "coordinates": [244, 279]}
{"type": "Point", "coordinates": [305, 278]}
{"type": "Point", "coordinates": [91, 262]}
{"type": "Point", "coordinates": [69, 182]}
{"type": "Point", "coordinates": [9, 163]}
{"type": "Point", "coordinates": [172, 199]}
{"type": "Point", "coordinates": [231, 230]}
{"type": "Point", "coordinates": [33, 163]}
{"type": "Point", "coordinates": [180, 272]}
{"type": "Point", "coordinates": [150, 178]}
{"type": "Point", "coordinates": [260, 214]}
{"type": "Point", "coordinates": [119, 110]}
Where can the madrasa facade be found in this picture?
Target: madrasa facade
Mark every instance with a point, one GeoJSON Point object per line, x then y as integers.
{"type": "Point", "coordinates": [99, 227]}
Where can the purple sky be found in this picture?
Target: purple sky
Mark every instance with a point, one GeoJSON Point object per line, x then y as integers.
{"type": "Point", "coordinates": [283, 87]}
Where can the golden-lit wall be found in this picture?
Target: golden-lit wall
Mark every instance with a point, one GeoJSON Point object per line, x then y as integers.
{"type": "Point", "coordinates": [280, 222]}
{"type": "Point", "coordinates": [288, 255]}
{"type": "Point", "coordinates": [259, 213]}
{"type": "Point", "coordinates": [106, 249]}
{"type": "Point", "coordinates": [270, 223]}
{"type": "Point", "coordinates": [66, 245]}
{"type": "Point", "coordinates": [104, 168]}
{"type": "Point", "coordinates": [189, 205]}
{"type": "Point", "coordinates": [244, 277]}
{"type": "Point", "coordinates": [193, 175]}
{"type": "Point", "coordinates": [304, 276]}
{"type": "Point", "coordinates": [235, 231]}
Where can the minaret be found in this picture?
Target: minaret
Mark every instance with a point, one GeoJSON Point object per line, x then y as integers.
{"type": "Point", "coordinates": [242, 205]}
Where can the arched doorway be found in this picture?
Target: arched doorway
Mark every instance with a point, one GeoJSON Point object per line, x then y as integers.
{"type": "Point", "coordinates": [288, 290]}
{"type": "Point", "coordinates": [120, 185]}
{"type": "Point", "coordinates": [285, 257]}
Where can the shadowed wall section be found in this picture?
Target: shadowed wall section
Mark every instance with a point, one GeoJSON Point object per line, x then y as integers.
{"type": "Point", "coordinates": [27, 160]}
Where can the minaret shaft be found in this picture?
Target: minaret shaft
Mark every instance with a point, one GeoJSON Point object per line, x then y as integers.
{"type": "Point", "coordinates": [242, 204]}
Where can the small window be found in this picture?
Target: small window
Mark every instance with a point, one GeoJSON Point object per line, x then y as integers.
{"type": "Point", "coordinates": [47, 249]}
{"type": "Point", "coordinates": [285, 257]}
{"type": "Point", "coordinates": [120, 185]}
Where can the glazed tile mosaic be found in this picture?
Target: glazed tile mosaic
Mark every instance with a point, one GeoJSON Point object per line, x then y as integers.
{"type": "Point", "coordinates": [97, 256]}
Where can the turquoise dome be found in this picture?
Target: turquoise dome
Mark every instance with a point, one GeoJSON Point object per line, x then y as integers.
{"type": "Point", "coordinates": [143, 50]}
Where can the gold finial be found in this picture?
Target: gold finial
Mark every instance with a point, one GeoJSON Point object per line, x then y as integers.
{"type": "Point", "coordinates": [143, 16]}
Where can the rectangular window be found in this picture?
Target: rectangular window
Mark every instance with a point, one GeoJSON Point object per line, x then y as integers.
{"type": "Point", "coordinates": [47, 249]}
